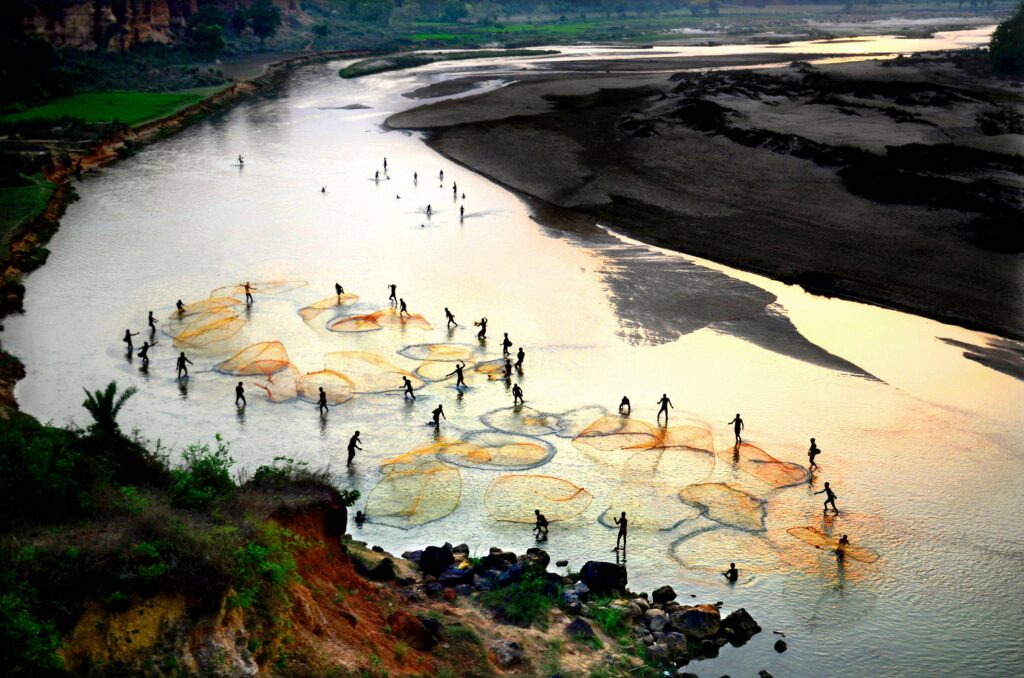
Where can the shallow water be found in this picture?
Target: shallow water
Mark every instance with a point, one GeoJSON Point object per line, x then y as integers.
{"type": "Point", "coordinates": [923, 446]}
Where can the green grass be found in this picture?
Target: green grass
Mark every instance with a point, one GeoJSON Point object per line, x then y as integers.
{"type": "Point", "coordinates": [129, 108]}
{"type": "Point", "coordinates": [19, 204]}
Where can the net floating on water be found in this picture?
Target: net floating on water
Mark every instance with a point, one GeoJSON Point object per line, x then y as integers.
{"type": "Point", "coordinates": [613, 432]}
{"type": "Point", "coordinates": [492, 369]}
{"type": "Point", "coordinates": [449, 353]}
{"type": "Point", "coordinates": [369, 372]}
{"type": "Point", "coordinates": [573, 422]}
{"type": "Point", "coordinates": [203, 329]}
{"type": "Point", "coordinates": [377, 320]}
{"type": "Point", "coordinates": [263, 358]}
{"type": "Point", "coordinates": [338, 387]}
{"type": "Point", "coordinates": [712, 550]}
{"type": "Point", "coordinates": [726, 505]}
{"type": "Point", "coordinates": [279, 387]}
{"type": "Point", "coordinates": [521, 420]}
{"type": "Point", "coordinates": [433, 370]}
{"type": "Point", "coordinates": [415, 493]}
{"type": "Point", "coordinates": [815, 537]}
{"type": "Point", "coordinates": [494, 450]}
{"type": "Point", "coordinates": [771, 471]}
{"type": "Point", "coordinates": [649, 506]}
{"type": "Point", "coordinates": [310, 313]}
{"type": "Point", "coordinates": [271, 287]}
{"type": "Point", "coordinates": [206, 306]}
{"type": "Point", "coordinates": [513, 498]}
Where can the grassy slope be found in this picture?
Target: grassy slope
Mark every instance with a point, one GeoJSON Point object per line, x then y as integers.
{"type": "Point", "coordinates": [130, 108]}
{"type": "Point", "coordinates": [18, 204]}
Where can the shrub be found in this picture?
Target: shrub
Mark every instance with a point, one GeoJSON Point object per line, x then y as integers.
{"type": "Point", "coordinates": [203, 477]}
{"type": "Point", "coordinates": [524, 603]}
{"type": "Point", "coordinates": [1007, 46]}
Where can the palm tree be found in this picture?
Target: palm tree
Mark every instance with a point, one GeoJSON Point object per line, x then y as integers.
{"type": "Point", "coordinates": [105, 405]}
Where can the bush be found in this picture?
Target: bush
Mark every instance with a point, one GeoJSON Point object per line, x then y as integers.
{"type": "Point", "coordinates": [1007, 46]}
{"type": "Point", "coordinates": [203, 477]}
{"type": "Point", "coordinates": [524, 603]}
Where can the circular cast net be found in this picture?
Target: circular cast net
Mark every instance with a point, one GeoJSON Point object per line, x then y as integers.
{"type": "Point", "coordinates": [521, 420]}
{"type": "Point", "coordinates": [513, 498]}
{"type": "Point", "coordinates": [726, 505]}
{"type": "Point", "coordinates": [338, 387]}
{"type": "Point", "coordinates": [451, 353]}
{"type": "Point", "coordinates": [204, 329]}
{"type": "Point", "coordinates": [818, 539]}
{"type": "Point", "coordinates": [206, 306]}
{"type": "Point", "coordinates": [310, 312]}
{"type": "Point", "coordinates": [433, 370]}
{"type": "Point", "coordinates": [279, 387]}
{"type": "Point", "coordinates": [613, 433]}
{"type": "Point", "coordinates": [259, 287]}
{"type": "Point", "coordinates": [263, 358]}
{"type": "Point", "coordinates": [755, 462]}
{"type": "Point", "coordinates": [494, 450]}
{"type": "Point", "coordinates": [355, 323]}
{"type": "Point", "coordinates": [387, 317]}
{"type": "Point", "coordinates": [712, 550]}
{"type": "Point", "coordinates": [369, 372]}
{"type": "Point", "coordinates": [492, 369]}
{"type": "Point", "coordinates": [649, 506]}
{"type": "Point", "coordinates": [415, 493]}
{"type": "Point", "coordinates": [573, 422]}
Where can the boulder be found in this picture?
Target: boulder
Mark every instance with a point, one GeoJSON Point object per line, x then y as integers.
{"type": "Point", "coordinates": [603, 577]}
{"type": "Point", "coordinates": [455, 576]}
{"type": "Point", "coordinates": [413, 556]}
{"type": "Point", "coordinates": [561, 563]}
{"type": "Point", "coordinates": [412, 630]}
{"type": "Point", "coordinates": [436, 559]}
{"type": "Point", "coordinates": [641, 603]}
{"type": "Point", "coordinates": [507, 653]}
{"type": "Point", "coordinates": [780, 646]}
{"type": "Point", "coordinates": [461, 549]}
{"type": "Point", "coordinates": [663, 594]}
{"type": "Point", "coordinates": [507, 556]}
{"type": "Point", "coordinates": [702, 621]}
{"type": "Point", "coordinates": [433, 589]}
{"type": "Point", "coordinates": [579, 629]}
{"type": "Point", "coordinates": [377, 549]}
{"type": "Point", "coordinates": [658, 652]}
{"type": "Point", "coordinates": [463, 589]}
{"type": "Point", "coordinates": [739, 627]}
{"type": "Point", "coordinates": [449, 594]}
{"type": "Point", "coordinates": [510, 576]}
{"type": "Point", "coordinates": [535, 557]}
{"type": "Point", "coordinates": [675, 641]}
{"type": "Point", "coordinates": [763, 674]}
{"type": "Point", "coordinates": [383, 571]}
{"type": "Point", "coordinates": [655, 619]}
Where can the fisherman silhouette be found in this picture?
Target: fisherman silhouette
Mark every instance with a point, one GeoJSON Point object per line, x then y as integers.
{"type": "Point", "coordinates": [665, 403]}
{"type": "Point", "coordinates": [812, 453]}
{"type": "Point", "coordinates": [151, 321]}
{"type": "Point", "coordinates": [540, 528]}
{"type": "Point", "coordinates": [737, 427]}
{"type": "Point", "coordinates": [459, 378]}
{"type": "Point", "coordinates": [451, 318]}
{"type": "Point", "coordinates": [183, 363]}
{"type": "Point", "coordinates": [520, 356]}
{"type": "Point", "coordinates": [393, 298]}
{"type": "Point", "coordinates": [506, 344]}
{"type": "Point", "coordinates": [322, 402]}
{"type": "Point", "coordinates": [408, 388]}
{"type": "Point", "coordinates": [517, 395]}
{"type": "Point", "coordinates": [128, 334]}
{"type": "Point", "coordinates": [830, 498]}
{"type": "Point", "coordinates": [240, 394]}
{"type": "Point", "coordinates": [353, 445]}
{"type": "Point", "coordinates": [732, 574]}
{"type": "Point", "coordinates": [144, 354]}
{"type": "Point", "coordinates": [437, 414]}
{"type": "Point", "coordinates": [623, 531]}
{"type": "Point", "coordinates": [180, 306]}
{"type": "Point", "coordinates": [248, 293]}
{"type": "Point", "coordinates": [339, 290]}
{"type": "Point", "coordinates": [624, 405]}
{"type": "Point", "coordinates": [482, 324]}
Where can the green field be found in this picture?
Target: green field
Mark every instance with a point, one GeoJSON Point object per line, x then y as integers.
{"type": "Point", "coordinates": [129, 108]}
{"type": "Point", "coordinates": [18, 204]}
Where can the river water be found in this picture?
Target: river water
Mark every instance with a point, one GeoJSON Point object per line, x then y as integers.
{"type": "Point", "coordinates": [923, 446]}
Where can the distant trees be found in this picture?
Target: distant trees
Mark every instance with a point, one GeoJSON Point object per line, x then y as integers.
{"type": "Point", "coordinates": [264, 19]}
{"type": "Point", "coordinates": [205, 29]}
{"type": "Point", "coordinates": [1006, 49]}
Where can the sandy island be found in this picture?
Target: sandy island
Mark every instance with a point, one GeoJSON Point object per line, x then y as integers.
{"type": "Point", "coordinates": [893, 182]}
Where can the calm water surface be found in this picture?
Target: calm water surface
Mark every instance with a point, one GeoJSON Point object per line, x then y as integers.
{"type": "Point", "coordinates": [923, 446]}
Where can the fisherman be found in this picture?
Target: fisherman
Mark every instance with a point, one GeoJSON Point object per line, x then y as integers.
{"type": "Point", "coordinates": [506, 344]}
{"type": "Point", "coordinates": [353, 445]}
{"type": "Point", "coordinates": [737, 427]}
{"type": "Point", "coordinates": [540, 528]}
{"type": "Point", "coordinates": [360, 518]}
{"type": "Point", "coordinates": [408, 388]}
{"type": "Point", "coordinates": [482, 334]}
{"type": "Point", "coordinates": [440, 175]}
{"type": "Point", "coordinates": [520, 357]}
{"type": "Point", "coordinates": [665, 403]}
{"type": "Point", "coordinates": [429, 210]}
{"type": "Point", "coordinates": [393, 299]}
{"type": "Point", "coordinates": [339, 290]}
{"type": "Point", "coordinates": [844, 541]}
{"type": "Point", "coordinates": [151, 321]}
{"type": "Point", "coordinates": [623, 530]}
{"type": "Point", "coordinates": [144, 354]}
{"type": "Point", "coordinates": [732, 574]}
{"type": "Point", "coordinates": [128, 334]}
{"type": "Point", "coordinates": [508, 370]}
{"type": "Point", "coordinates": [376, 176]}
{"type": "Point", "coordinates": [248, 294]}
{"type": "Point", "coordinates": [624, 405]}
{"type": "Point", "coordinates": [451, 318]}
{"type": "Point", "coordinates": [812, 453]}
{"type": "Point", "coordinates": [830, 498]}
{"type": "Point", "coordinates": [385, 165]}
{"type": "Point", "coordinates": [462, 212]}
{"type": "Point", "coordinates": [183, 363]}
{"type": "Point", "coordinates": [322, 402]}
{"type": "Point", "coordinates": [415, 177]}
{"type": "Point", "coordinates": [181, 307]}
{"type": "Point", "coordinates": [459, 378]}
{"type": "Point", "coordinates": [402, 308]}
{"type": "Point", "coordinates": [323, 189]}
{"type": "Point", "coordinates": [239, 394]}
{"type": "Point", "coordinates": [517, 395]}
{"type": "Point", "coordinates": [241, 160]}
{"type": "Point", "coordinates": [455, 190]}
{"type": "Point", "coordinates": [438, 413]}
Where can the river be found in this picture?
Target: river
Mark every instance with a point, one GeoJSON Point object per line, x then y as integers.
{"type": "Point", "coordinates": [923, 447]}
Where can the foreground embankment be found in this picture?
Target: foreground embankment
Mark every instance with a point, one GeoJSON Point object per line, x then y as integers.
{"type": "Point", "coordinates": [892, 182]}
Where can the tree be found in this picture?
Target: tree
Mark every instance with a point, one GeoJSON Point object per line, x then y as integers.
{"type": "Point", "coordinates": [454, 10]}
{"type": "Point", "coordinates": [321, 30]}
{"type": "Point", "coordinates": [264, 19]}
{"type": "Point", "coordinates": [104, 406]}
{"type": "Point", "coordinates": [1006, 50]}
{"type": "Point", "coordinates": [207, 38]}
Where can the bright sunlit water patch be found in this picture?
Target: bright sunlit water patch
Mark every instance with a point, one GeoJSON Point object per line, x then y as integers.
{"type": "Point", "coordinates": [922, 446]}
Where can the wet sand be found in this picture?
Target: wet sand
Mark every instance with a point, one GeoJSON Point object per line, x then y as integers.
{"type": "Point", "coordinates": [785, 173]}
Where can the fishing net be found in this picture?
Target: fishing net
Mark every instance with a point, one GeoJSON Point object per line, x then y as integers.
{"type": "Point", "coordinates": [338, 387]}
{"type": "Point", "coordinates": [712, 550]}
{"type": "Point", "coordinates": [649, 506]}
{"type": "Point", "coordinates": [494, 450]}
{"type": "Point", "coordinates": [766, 468]}
{"type": "Point", "coordinates": [369, 372]}
{"type": "Point", "coordinates": [726, 505]}
{"type": "Point", "coordinates": [521, 420]}
{"type": "Point", "coordinates": [387, 317]}
{"type": "Point", "coordinates": [204, 329]}
{"type": "Point", "coordinates": [818, 539]}
{"type": "Point", "coordinates": [492, 369]}
{"type": "Point", "coordinates": [259, 287]}
{"type": "Point", "coordinates": [432, 370]}
{"type": "Point", "coordinates": [310, 312]}
{"type": "Point", "coordinates": [513, 498]}
{"type": "Point", "coordinates": [678, 465]}
{"type": "Point", "coordinates": [279, 387]}
{"type": "Point", "coordinates": [612, 433]}
{"type": "Point", "coordinates": [206, 306]}
{"type": "Point", "coordinates": [451, 353]}
{"type": "Point", "coordinates": [573, 422]}
{"type": "Point", "coordinates": [415, 493]}
{"type": "Point", "coordinates": [263, 358]}
{"type": "Point", "coordinates": [689, 436]}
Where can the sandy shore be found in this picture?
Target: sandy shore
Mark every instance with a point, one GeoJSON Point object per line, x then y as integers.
{"type": "Point", "coordinates": [787, 172]}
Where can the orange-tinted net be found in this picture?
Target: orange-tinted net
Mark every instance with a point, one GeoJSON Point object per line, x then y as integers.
{"type": "Point", "coordinates": [204, 329]}
{"type": "Point", "coordinates": [523, 420]}
{"type": "Point", "coordinates": [387, 317]}
{"type": "Point", "coordinates": [337, 386]}
{"type": "Point", "coordinates": [310, 312]}
{"type": "Point", "coordinates": [206, 306]}
{"type": "Point", "coordinates": [612, 433]}
{"type": "Point", "coordinates": [415, 493]}
{"type": "Point", "coordinates": [451, 353]}
{"type": "Point", "coordinates": [492, 369]}
{"type": "Point", "coordinates": [433, 370]}
{"type": "Point", "coordinates": [259, 287]}
{"type": "Point", "coordinates": [513, 498]}
{"type": "Point", "coordinates": [263, 358]}
{"type": "Point", "coordinates": [756, 462]}
{"type": "Point", "coordinates": [726, 505]}
{"type": "Point", "coordinates": [649, 506]}
{"type": "Point", "coordinates": [369, 372]}
{"type": "Point", "coordinates": [500, 451]}
{"type": "Point", "coordinates": [279, 387]}
{"type": "Point", "coordinates": [711, 551]}
{"type": "Point", "coordinates": [818, 539]}
{"type": "Point", "coordinates": [573, 422]}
